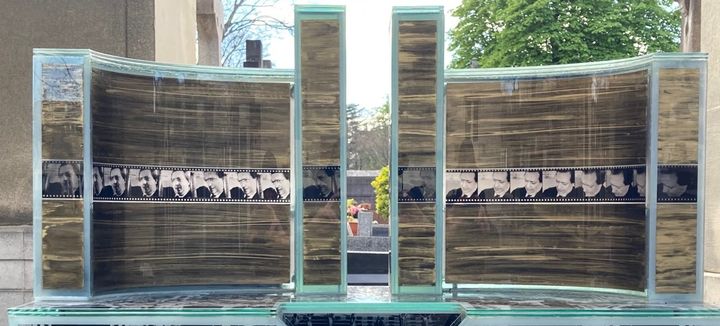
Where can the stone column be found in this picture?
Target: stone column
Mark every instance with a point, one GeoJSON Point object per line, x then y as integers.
{"type": "Point", "coordinates": [210, 30]}
{"type": "Point", "coordinates": [710, 43]}
{"type": "Point", "coordinates": [690, 37]}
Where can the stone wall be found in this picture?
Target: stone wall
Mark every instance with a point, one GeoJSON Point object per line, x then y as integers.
{"type": "Point", "coordinates": [123, 28]}
{"type": "Point", "coordinates": [15, 268]}
{"type": "Point", "coordinates": [710, 43]}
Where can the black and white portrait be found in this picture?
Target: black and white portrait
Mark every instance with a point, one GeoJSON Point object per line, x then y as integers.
{"type": "Point", "coordinates": [593, 183]}
{"type": "Point", "coordinates": [560, 184]}
{"type": "Point", "coordinates": [62, 179]}
{"type": "Point", "coordinates": [527, 184]}
{"type": "Point", "coordinates": [321, 184]}
{"type": "Point", "coordinates": [463, 186]}
{"type": "Point", "coordinates": [500, 186]}
{"type": "Point", "coordinates": [143, 183]}
{"type": "Point", "coordinates": [175, 184]}
{"type": "Point", "coordinates": [621, 184]}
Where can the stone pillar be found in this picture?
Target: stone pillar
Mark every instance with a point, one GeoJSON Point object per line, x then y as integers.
{"type": "Point", "coordinates": [365, 220]}
{"type": "Point", "coordinates": [710, 43]}
{"type": "Point", "coordinates": [210, 30]}
{"type": "Point", "coordinates": [690, 37]}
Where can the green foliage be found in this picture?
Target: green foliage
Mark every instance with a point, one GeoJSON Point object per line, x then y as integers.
{"type": "Point", "coordinates": [506, 33]}
{"type": "Point", "coordinates": [381, 184]}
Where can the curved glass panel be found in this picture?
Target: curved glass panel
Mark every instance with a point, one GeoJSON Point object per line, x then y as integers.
{"type": "Point", "coordinates": [191, 176]}
{"type": "Point", "coordinates": [547, 171]}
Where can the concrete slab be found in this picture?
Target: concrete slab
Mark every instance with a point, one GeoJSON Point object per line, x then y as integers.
{"type": "Point", "coordinates": [12, 274]}
{"type": "Point", "coordinates": [9, 299]}
{"type": "Point", "coordinates": [11, 243]}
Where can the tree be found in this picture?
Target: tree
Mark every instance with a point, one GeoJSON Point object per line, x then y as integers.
{"type": "Point", "coordinates": [368, 137]}
{"type": "Point", "coordinates": [381, 184]}
{"type": "Point", "coordinates": [504, 33]}
{"type": "Point", "coordinates": [244, 20]}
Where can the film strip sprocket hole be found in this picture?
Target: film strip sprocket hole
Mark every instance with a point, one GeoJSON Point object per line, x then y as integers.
{"type": "Point", "coordinates": [62, 179]}
{"type": "Point", "coordinates": [416, 184]}
{"type": "Point", "coordinates": [115, 182]}
{"type": "Point", "coordinates": [583, 184]}
{"type": "Point", "coordinates": [321, 183]}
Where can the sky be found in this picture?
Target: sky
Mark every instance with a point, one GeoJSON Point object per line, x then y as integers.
{"type": "Point", "coordinates": [367, 39]}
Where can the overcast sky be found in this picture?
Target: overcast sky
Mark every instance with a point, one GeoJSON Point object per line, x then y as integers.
{"type": "Point", "coordinates": [368, 43]}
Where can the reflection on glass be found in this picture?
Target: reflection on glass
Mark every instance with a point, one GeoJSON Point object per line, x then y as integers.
{"type": "Point", "coordinates": [563, 122]}
{"type": "Point", "coordinates": [591, 245]}
{"type": "Point", "coordinates": [193, 123]}
{"type": "Point", "coordinates": [178, 244]}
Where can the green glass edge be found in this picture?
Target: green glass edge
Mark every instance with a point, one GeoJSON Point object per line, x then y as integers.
{"type": "Point", "coordinates": [151, 68]}
{"type": "Point", "coordinates": [320, 9]}
{"type": "Point", "coordinates": [460, 75]}
{"type": "Point", "coordinates": [461, 288]}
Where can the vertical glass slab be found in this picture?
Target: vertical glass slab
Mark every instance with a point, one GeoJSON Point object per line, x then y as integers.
{"type": "Point", "coordinates": [320, 149]}
{"type": "Point", "coordinates": [676, 256]}
{"type": "Point", "coordinates": [58, 153]}
{"type": "Point", "coordinates": [417, 115]}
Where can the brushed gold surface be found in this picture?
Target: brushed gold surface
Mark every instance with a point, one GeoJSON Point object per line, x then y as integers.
{"type": "Point", "coordinates": [590, 245]}
{"type": "Point", "coordinates": [62, 244]}
{"type": "Point", "coordinates": [321, 246]}
{"type": "Point", "coordinates": [679, 107]}
{"type": "Point", "coordinates": [185, 122]}
{"type": "Point", "coordinates": [417, 76]}
{"type": "Point", "coordinates": [675, 256]}
{"type": "Point", "coordinates": [320, 68]}
{"type": "Point", "coordinates": [62, 130]}
{"type": "Point", "coordinates": [416, 244]}
{"type": "Point", "coordinates": [171, 244]}
{"type": "Point", "coordinates": [550, 122]}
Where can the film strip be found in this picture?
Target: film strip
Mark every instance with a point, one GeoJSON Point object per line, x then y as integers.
{"type": "Point", "coordinates": [118, 182]}
{"type": "Point", "coordinates": [416, 184]}
{"type": "Point", "coordinates": [321, 183]}
{"type": "Point", "coordinates": [62, 179]}
{"type": "Point", "coordinates": [607, 184]}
